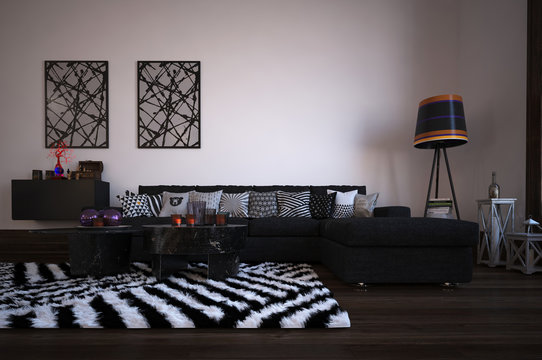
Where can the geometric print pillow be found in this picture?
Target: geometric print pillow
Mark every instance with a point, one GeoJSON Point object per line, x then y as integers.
{"type": "Point", "coordinates": [134, 205]}
{"type": "Point", "coordinates": [155, 204]}
{"type": "Point", "coordinates": [262, 204]}
{"type": "Point", "coordinates": [344, 204]}
{"type": "Point", "coordinates": [235, 203]}
{"type": "Point", "coordinates": [321, 206]}
{"type": "Point", "coordinates": [294, 204]}
{"type": "Point", "coordinates": [212, 199]}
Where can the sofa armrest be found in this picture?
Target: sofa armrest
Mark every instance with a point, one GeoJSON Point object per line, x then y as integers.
{"type": "Point", "coordinates": [392, 211]}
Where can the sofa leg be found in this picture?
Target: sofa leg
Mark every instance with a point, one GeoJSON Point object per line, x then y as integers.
{"type": "Point", "coordinates": [361, 286]}
{"type": "Point", "coordinates": [449, 285]}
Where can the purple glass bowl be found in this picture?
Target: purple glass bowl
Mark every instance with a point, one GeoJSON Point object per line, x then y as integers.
{"type": "Point", "coordinates": [112, 217]}
{"type": "Point", "coordinates": [87, 215]}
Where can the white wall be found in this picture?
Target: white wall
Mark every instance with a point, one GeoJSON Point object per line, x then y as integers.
{"type": "Point", "coordinates": [293, 91]}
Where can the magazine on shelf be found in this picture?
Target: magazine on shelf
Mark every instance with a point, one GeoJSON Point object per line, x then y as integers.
{"type": "Point", "coordinates": [440, 208]}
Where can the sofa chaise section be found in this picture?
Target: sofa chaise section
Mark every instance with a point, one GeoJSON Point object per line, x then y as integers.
{"type": "Point", "coordinates": [399, 250]}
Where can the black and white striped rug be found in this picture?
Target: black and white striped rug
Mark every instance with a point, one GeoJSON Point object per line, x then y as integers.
{"type": "Point", "coordinates": [263, 295]}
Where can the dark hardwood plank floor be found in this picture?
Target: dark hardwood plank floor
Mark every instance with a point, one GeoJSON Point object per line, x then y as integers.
{"type": "Point", "coordinates": [496, 316]}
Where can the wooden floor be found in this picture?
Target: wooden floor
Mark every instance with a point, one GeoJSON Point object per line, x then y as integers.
{"type": "Point", "coordinates": [497, 316]}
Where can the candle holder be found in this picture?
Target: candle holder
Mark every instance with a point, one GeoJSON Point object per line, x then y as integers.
{"type": "Point", "coordinates": [190, 219]}
{"type": "Point", "coordinates": [222, 218]}
{"type": "Point", "coordinates": [175, 219]}
{"type": "Point", "coordinates": [210, 216]}
{"type": "Point", "coordinates": [98, 221]}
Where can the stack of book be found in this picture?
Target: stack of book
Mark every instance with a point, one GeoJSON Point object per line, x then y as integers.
{"type": "Point", "coordinates": [440, 208]}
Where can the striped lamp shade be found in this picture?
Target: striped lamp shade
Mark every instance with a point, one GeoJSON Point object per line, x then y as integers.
{"type": "Point", "coordinates": [441, 120]}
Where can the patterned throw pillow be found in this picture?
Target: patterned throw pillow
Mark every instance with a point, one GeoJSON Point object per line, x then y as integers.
{"type": "Point", "coordinates": [134, 205]}
{"type": "Point", "coordinates": [321, 206]}
{"type": "Point", "coordinates": [344, 203]}
{"type": "Point", "coordinates": [364, 205]}
{"type": "Point", "coordinates": [262, 204]}
{"type": "Point", "coordinates": [211, 198]}
{"type": "Point", "coordinates": [174, 203]}
{"type": "Point", "coordinates": [235, 203]}
{"type": "Point", "coordinates": [292, 204]}
{"type": "Point", "coordinates": [155, 204]}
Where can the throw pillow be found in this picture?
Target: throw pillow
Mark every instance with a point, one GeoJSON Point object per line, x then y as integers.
{"type": "Point", "coordinates": [292, 204]}
{"type": "Point", "coordinates": [321, 206]}
{"type": "Point", "coordinates": [134, 205]}
{"type": "Point", "coordinates": [364, 205]}
{"type": "Point", "coordinates": [235, 203]}
{"type": "Point", "coordinates": [344, 203]}
{"type": "Point", "coordinates": [174, 203]}
{"type": "Point", "coordinates": [155, 204]}
{"type": "Point", "coordinates": [262, 204]}
{"type": "Point", "coordinates": [212, 199]}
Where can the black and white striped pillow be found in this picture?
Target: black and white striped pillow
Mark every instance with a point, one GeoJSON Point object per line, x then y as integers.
{"type": "Point", "coordinates": [155, 204]}
{"type": "Point", "coordinates": [235, 203]}
{"type": "Point", "coordinates": [294, 204]}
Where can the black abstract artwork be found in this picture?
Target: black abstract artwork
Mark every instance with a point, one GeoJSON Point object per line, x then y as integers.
{"type": "Point", "coordinates": [76, 104]}
{"type": "Point", "coordinates": [169, 104]}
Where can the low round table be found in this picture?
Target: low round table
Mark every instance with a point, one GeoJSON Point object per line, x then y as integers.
{"type": "Point", "coordinates": [169, 247]}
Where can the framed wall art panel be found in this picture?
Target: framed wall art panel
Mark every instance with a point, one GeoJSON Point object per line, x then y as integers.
{"type": "Point", "coordinates": [169, 104]}
{"type": "Point", "coordinates": [76, 104]}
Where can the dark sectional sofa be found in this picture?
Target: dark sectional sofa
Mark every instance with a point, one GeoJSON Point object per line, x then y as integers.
{"type": "Point", "coordinates": [390, 247]}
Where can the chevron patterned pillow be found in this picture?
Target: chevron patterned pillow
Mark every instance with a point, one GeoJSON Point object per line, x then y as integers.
{"type": "Point", "coordinates": [294, 204]}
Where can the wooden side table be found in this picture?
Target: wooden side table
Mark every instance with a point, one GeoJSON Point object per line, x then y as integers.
{"type": "Point", "coordinates": [525, 252]}
{"type": "Point", "coordinates": [492, 248]}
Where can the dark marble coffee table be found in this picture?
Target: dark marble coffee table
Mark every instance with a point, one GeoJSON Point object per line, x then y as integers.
{"type": "Point", "coordinates": [97, 251]}
{"type": "Point", "coordinates": [170, 246]}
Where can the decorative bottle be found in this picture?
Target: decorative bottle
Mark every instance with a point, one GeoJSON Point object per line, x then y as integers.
{"type": "Point", "coordinates": [494, 188]}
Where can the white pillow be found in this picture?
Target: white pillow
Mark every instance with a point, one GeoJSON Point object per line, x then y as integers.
{"type": "Point", "coordinates": [212, 199]}
{"type": "Point", "coordinates": [364, 205]}
{"type": "Point", "coordinates": [174, 203]}
{"type": "Point", "coordinates": [344, 203]}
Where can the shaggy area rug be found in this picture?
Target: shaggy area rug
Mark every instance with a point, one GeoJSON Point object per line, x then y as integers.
{"type": "Point", "coordinates": [264, 295]}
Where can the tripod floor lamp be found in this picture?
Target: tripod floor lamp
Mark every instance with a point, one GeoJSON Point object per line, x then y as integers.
{"type": "Point", "coordinates": [440, 125]}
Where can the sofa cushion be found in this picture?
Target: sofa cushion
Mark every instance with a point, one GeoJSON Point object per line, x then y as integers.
{"type": "Point", "coordinates": [274, 226]}
{"type": "Point", "coordinates": [262, 204]}
{"type": "Point", "coordinates": [235, 203]}
{"type": "Point", "coordinates": [407, 232]}
{"type": "Point", "coordinates": [321, 206]}
{"type": "Point", "coordinates": [293, 204]}
{"type": "Point", "coordinates": [155, 203]}
{"type": "Point", "coordinates": [134, 205]}
{"type": "Point", "coordinates": [211, 199]}
{"type": "Point", "coordinates": [174, 203]}
{"type": "Point", "coordinates": [344, 203]}
{"type": "Point", "coordinates": [364, 205]}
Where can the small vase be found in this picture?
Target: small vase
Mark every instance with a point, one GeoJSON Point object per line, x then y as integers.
{"type": "Point", "coordinates": [494, 189]}
{"type": "Point", "coordinates": [59, 171]}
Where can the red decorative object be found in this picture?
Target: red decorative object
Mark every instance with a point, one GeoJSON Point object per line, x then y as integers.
{"type": "Point", "coordinates": [60, 150]}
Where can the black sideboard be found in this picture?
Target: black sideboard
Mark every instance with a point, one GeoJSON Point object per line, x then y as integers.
{"type": "Point", "coordinates": [56, 199]}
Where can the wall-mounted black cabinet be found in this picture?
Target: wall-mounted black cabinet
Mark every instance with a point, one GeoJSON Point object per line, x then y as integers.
{"type": "Point", "coordinates": [56, 199]}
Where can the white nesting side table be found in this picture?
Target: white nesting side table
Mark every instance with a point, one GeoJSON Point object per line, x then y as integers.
{"type": "Point", "coordinates": [496, 218]}
{"type": "Point", "coordinates": [525, 252]}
